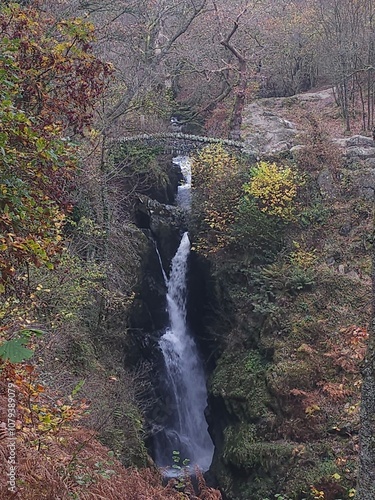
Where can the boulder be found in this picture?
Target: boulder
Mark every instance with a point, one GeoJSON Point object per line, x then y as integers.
{"type": "Point", "coordinates": [364, 181]}
{"type": "Point", "coordinates": [345, 229]}
{"type": "Point", "coordinates": [353, 275]}
{"type": "Point", "coordinates": [295, 150]}
{"type": "Point", "coordinates": [327, 185]}
{"type": "Point", "coordinates": [342, 143]}
{"type": "Point", "coordinates": [360, 141]}
{"type": "Point", "coordinates": [264, 131]}
{"type": "Point", "coordinates": [280, 146]}
{"type": "Point", "coordinates": [360, 152]}
{"type": "Point", "coordinates": [370, 163]}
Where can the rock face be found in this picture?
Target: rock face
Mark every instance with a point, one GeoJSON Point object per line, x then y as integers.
{"type": "Point", "coordinates": [148, 312]}
{"type": "Point", "coordinates": [264, 131]}
{"type": "Point", "coordinates": [162, 226]}
{"type": "Point", "coordinates": [360, 141]}
{"type": "Point", "coordinates": [327, 185]}
{"type": "Point", "coordinates": [166, 222]}
{"type": "Point", "coordinates": [363, 181]}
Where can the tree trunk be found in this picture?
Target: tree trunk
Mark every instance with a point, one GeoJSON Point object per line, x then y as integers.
{"type": "Point", "coordinates": [239, 104]}
{"type": "Point", "coordinates": [366, 474]}
{"type": "Point", "coordinates": [240, 99]}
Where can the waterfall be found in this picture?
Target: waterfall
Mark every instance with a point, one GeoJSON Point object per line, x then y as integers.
{"type": "Point", "coordinates": [185, 430]}
{"type": "Point", "coordinates": [183, 197]}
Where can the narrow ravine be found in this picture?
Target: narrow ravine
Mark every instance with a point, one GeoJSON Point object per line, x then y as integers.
{"type": "Point", "coordinates": [183, 197]}
{"type": "Point", "coordinates": [183, 378]}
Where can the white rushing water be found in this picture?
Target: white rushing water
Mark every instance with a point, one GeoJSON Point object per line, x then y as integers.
{"type": "Point", "coordinates": [184, 190]}
{"type": "Point", "coordinates": [186, 430]}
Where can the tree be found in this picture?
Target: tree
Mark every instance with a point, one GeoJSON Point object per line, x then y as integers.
{"type": "Point", "coordinates": [287, 38]}
{"type": "Point", "coordinates": [138, 38]}
{"type": "Point", "coordinates": [275, 189]}
{"type": "Point", "coordinates": [349, 40]}
{"type": "Point", "coordinates": [242, 82]}
{"type": "Point", "coordinates": [49, 82]}
{"type": "Point", "coordinates": [366, 473]}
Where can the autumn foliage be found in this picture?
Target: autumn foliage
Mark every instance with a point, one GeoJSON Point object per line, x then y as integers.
{"type": "Point", "coordinates": [50, 83]}
{"type": "Point", "coordinates": [56, 458]}
{"type": "Point", "coordinates": [274, 188]}
{"type": "Point", "coordinates": [49, 80]}
{"type": "Point", "coordinates": [239, 215]}
{"type": "Point", "coordinates": [217, 184]}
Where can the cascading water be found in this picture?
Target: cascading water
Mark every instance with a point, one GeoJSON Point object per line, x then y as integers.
{"type": "Point", "coordinates": [184, 190]}
{"type": "Point", "coordinates": [185, 430]}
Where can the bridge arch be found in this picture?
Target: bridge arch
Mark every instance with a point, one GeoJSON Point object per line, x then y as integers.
{"type": "Point", "coordinates": [178, 142]}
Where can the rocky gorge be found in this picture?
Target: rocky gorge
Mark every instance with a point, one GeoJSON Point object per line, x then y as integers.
{"type": "Point", "coordinates": [282, 398]}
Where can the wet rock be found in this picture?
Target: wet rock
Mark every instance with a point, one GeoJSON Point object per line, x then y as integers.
{"type": "Point", "coordinates": [166, 223]}
{"type": "Point", "coordinates": [148, 308]}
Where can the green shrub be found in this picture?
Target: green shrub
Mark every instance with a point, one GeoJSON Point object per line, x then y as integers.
{"type": "Point", "coordinates": [274, 187]}
{"type": "Point", "coordinates": [314, 215]}
{"type": "Point", "coordinates": [137, 167]}
{"type": "Point", "coordinates": [256, 232]}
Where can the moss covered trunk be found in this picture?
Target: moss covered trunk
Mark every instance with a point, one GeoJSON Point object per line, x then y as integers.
{"type": "Point", "coordinates": [366, 475]}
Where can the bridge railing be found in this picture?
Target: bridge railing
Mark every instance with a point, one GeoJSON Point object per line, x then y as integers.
{"type": "Point", "coordinates": [183, 137]}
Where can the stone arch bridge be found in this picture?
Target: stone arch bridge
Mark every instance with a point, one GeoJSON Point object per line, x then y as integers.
{"type": "Point", "coordinates": [179, 143]}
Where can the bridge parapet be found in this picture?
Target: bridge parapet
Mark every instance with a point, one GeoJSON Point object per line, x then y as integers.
{"type": "Point", "coordinates": [180, 143]}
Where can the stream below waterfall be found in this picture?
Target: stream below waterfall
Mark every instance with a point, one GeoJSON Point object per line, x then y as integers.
{"type": "Point", "coordinates": [184, 437]}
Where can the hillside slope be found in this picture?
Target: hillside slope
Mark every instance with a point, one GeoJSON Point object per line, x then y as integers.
{"type": "Point", "coordinates": [287, 380]}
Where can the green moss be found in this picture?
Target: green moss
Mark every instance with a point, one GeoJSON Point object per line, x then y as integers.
{"type": "Point", "coordinates": [301, 478]}
{"type": "Point", "coordinates": [139, 165]}
{"type": "Point", "coordinates": [290, 374]}
{"type": "Point", "coordinates": [243, 449]}
{"type": "Point", "coordinates": [266, 468]}
{"type": "Point", "coordinates": [239, 379]}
